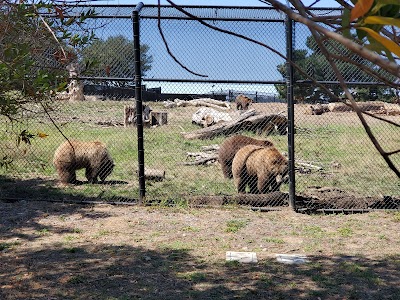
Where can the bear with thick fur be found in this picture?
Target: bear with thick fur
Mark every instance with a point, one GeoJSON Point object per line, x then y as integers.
{"type": "Point", "coordinates": [231, 145]}
{"type": "Point", "coordinates": [74, 155]}
{"type": "Point", "coordinates": [243, 102]}
{"type": "Point", "coordinates": [262, 169]}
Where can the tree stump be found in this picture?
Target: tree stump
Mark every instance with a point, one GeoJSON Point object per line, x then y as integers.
{"type": "Point", "coordinates": [130, 118]}
{"type": "Point", "coordinates": [129, 115]}
{"type": "Point", "coordinates": [75, 87]}
{"type": "Point", "coordinates": [158, 118]}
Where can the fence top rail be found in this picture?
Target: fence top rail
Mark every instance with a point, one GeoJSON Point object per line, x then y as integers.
{"type": "Point", "coordinates": [211, 12]}
{"type": "Point", "coordinates": [205, 12]}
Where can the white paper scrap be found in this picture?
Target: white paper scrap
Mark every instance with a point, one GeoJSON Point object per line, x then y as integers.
{"type": "Point", "coordinates": [292, 258]}
{"type": "Point", "coordinates": [243, 257]}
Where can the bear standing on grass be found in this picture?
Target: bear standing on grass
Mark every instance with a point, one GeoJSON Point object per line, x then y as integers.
{"type": "Point", "coordinates": [262, 169]}
{"type": "Point", "coordinates": [74, 155]}
{"type": "Point", "coordinates": [229, 148]}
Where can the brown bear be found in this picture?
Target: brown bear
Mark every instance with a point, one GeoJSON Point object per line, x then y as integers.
{"type": "Point", "coordinates": [262, 169]}
{"type": "Point", "coordinates": [243, 102]}
{"type": "Point", "coordinates": [74, 155]}
{"type": "Point", "coordinates": [231, 145]}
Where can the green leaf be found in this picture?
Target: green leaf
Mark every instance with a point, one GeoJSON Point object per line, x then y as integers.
{"type": "Point", "coordinates": [382, 21]}
{"type": "Point", "coordinates": [388, 44]}
{"type": "Point", "coordinates": [391, 7]}
{"type": "Point", "coordinates": [346, 23]}
{"type": "Point", "coordinates": [70, 21]}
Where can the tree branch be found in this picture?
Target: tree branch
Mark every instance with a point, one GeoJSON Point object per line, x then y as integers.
{"type": "Point", "coordinates": [167, 47]}
{"type": "Point", "coordinates": [391, 67]}
{"type": "Point", "coordinates": [338, 74]}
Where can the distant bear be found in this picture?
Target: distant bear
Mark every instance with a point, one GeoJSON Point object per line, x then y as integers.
{"type": "Point", "coordinates": [263, 169]}
{"type": "Point", "coordinates": [229, 148]}
{"type": "Point", "coordinates": [243, 102]}
{"type": "Point", "coordinates": [74, 155]}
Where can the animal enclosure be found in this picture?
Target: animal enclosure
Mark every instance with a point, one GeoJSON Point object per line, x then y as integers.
{"type": "Point", "coordinates": [192, 65]}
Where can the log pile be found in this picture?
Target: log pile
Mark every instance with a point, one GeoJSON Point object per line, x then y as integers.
{"type": "Point", "coordinates": [371, 106]}
{"type": "Point", "coordinates": [207, 116]}
{"type": "Point", "coordinates": [208, 155]}
{"type": "Point", "coordinates": [249, 120]}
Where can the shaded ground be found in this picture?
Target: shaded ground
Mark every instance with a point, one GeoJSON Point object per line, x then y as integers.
{"type": "Point", "coordinates": [71, 251]}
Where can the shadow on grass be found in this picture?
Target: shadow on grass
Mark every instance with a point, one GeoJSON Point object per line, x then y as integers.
{"type": "Point", "coordinates": [106, 182]}
{"type": "Point", "coordinates": [51, 190]}
{"type": "Point", "coordinates": [125, 272]}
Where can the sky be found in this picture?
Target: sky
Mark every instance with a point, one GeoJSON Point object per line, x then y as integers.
{"type": "Point", "coordinates": [205, 51]}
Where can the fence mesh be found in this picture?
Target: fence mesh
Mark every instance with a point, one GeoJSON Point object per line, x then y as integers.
{"type": "Point", "coordinates": [192, 113]}
{"type": "Point", "coordinates": [334, 157]}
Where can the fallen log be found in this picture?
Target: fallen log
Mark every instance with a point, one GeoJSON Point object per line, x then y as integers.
{"type": "Point", "coordinates": [254, 200]}
{"type": "Point", "coordinates": [221, 128]}
{"type": "Point", "coordinates": [308, 165]}
{"type": "Point", "coordinates": [214, 147]}
{"type": "Point", "coordinates": [153, 174]}
{"type": "Point", "coordinates": [249, 120]}
{"type": "Point", "coordinates": [200, 161]}
{"type": "Point", "coordinates": [207, 116]}
{"type": "Point", "coordinates": [364, 106]}
{"type": "Point", "coordinates": [208, 102]}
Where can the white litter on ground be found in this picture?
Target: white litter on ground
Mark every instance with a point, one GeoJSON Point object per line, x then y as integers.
{"type": "Point", "coordinates": [243, 257]}
{"type": "Point", "coordinates": [292, 258]}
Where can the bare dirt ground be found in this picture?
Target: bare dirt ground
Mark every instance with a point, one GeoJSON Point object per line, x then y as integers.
{"type": "Point", "coordinates": [70, 251]}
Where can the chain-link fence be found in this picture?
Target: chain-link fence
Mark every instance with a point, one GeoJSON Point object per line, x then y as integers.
{"type": "Point", "coordinates": [207, 93]}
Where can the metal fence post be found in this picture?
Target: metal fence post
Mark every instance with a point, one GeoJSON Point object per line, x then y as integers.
{"type": "Point", "coordinates": [138, 96]}
{"type": "Point", "coordinates": [290, 104]}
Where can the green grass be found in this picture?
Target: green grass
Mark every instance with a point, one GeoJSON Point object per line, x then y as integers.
{"type": "Point", "coordinates": [361, 169]}
{"type": "Point", "coordinates": [345, 231]}
{"type": "Point", "coordinates": [43, 232]}
{"type": "Point", "coordinates": [8, 245]}
{"type": "Point", "coordinates": [101, 233]}
{"type": "Point", "coordinates": [194, 277]}
{"type": "Point", "coordinates": [234, 226]}
{"type": "Point", "coordinates": [313, 231]}
{"type": "Point", "coordinates": [396, 216]}
{"type": "Point", "coordinates": [274, 240]}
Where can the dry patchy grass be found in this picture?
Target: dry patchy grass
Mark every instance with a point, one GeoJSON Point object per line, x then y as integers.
{"type": "Point", "coordinates": [70, 251]}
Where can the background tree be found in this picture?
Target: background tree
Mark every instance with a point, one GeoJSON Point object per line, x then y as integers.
{"type": "Point", "coordinates": [35, 50]}
{"type": "Point", "coordinates": [316, 65]}
{"type": "Point", "coordinates": [37, 41]}
{"type": "Point", "coordinates": [113, 57]}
